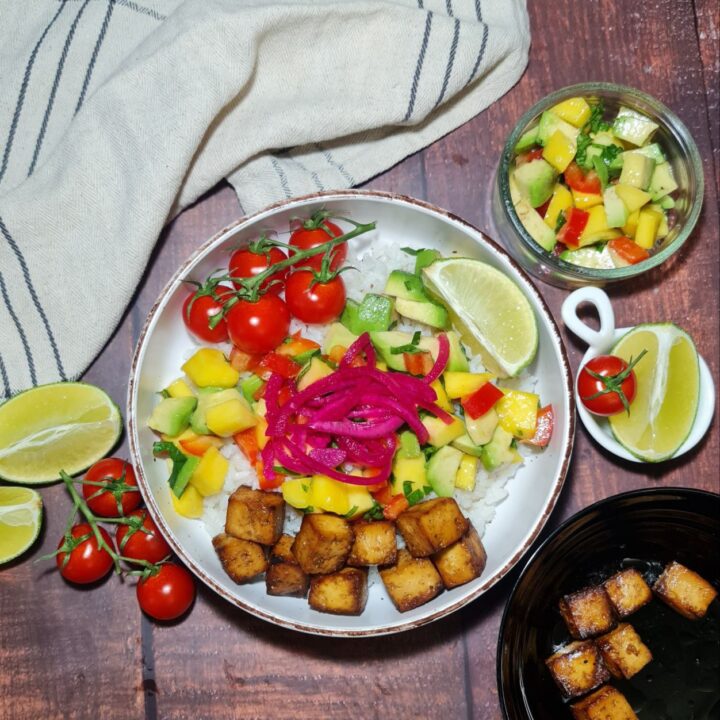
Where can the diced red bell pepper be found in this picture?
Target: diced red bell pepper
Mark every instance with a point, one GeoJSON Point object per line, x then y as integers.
{"type": "Point", "coordinates": [247, 442]}
{"type": "Point", "coordinates": [273, 362]}
{"type": "Point", "coordinates": [582, 182]}
{"type": "Point", "coordinates": [420, 363]}
{"type": "Point", "coordinates": [200, 444]}
{"type": "Point", "coordinates": [397, 505]}
{"type": "Point", "coordinates": [544, 428]}
{"type": "Point", "coordinates": [628, 250]}
{"type": "Point", "coordinates": [297, 345]}
{"type": "Point", "coordinates": [383, 494]}
{"type": "Point", "coordinates": [570, 232]}
{"type": "Point", "coordinates": [242, 361]}
{"type": "Point", "coordinates": [481, 401]}
{"type": "Point", "coordinates": [534, 154]}
{"type": "Point", "coordinates": [266, 484]}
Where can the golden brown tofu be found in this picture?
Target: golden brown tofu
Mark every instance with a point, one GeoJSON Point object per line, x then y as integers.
{"type": "Point", "coordinates": [587, 612]}
{"type": "Point", "coordinates": [431, 526]}
{"type": "Point", "coordinates": [242, 560]}
{"type": "Point", "coordinates": [375, 544]}
{"type": "Point", "coordinates": [607, 703]}
{"type": "Point", "coordinates": [323, 543]}
{"type": "Point", "coordinates": [623, 652]}
{"type": "Point", "coordinates": [684, 591]}
{"type": "Point", "coordinates": [282, 550]}
{"type": "Point", "coordinates": [627, 591]}
{"type": "Point", "coordinates": [463, 561]}
{"type": "Point", "coordinates": [284, 578]}
{"type": "Point", "coordinates": [255, 515]}
{"type": "Point", "coordinates": [411, 582]}
{"type": "Point", "coordinates": [577, 668]}
{"type": "Point", "coordinates": [340, 593]}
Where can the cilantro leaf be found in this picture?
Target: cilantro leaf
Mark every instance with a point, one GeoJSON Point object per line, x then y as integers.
{"type": "Point", "coordinates": [411, 347]}
{"type": "Point", "coordinates": [583, 143]}
{"type": "Point", "coordinates": [375, 512]}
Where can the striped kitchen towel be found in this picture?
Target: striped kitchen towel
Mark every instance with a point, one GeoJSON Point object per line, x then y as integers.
{"type": "Point", "coordinates": [116, 114]}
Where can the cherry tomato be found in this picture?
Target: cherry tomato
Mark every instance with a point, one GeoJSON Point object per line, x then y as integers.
{"type": "Point", "coordinates": [535, 153]}
{"type": "Point", "coordinates": [168, 594]}
{"type": "Point", "coordinates": [580, 181]}
{"type": "Point", "coordinates": [304, 238]}
{"type": "Point", "coordinates": [87, 562]}
{"type": "Point", "coordinates": [139, 545]}
{"type": "Point", "coordinates": [246, 264]}
{"type": "Point", "coordinates": [197, 313]}
{"type": "Point", "coordinates": [602, 396]}
{"type": "Point", "coordinates": [319, 303]}
{"type": "Point", "coordinates": [258, 327]}
{"type": "Point", "coordinates": [115, 472]}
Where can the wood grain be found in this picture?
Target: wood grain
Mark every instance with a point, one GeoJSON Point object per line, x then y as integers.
{"type": "Point", "coordinates": [83, 654]}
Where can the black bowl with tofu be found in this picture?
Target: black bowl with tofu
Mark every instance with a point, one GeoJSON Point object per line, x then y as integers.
{"type": "Point", "coordinates": [658, 650]}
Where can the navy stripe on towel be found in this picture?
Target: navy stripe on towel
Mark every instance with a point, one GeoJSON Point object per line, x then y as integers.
{"type": "Point", "coordinates": [21, 332]}
{"type": "Point", "coordinates": [96, 51]}
{"type": "Point", "coordinates": [418, 67]}
{"type": "Point", "coordinates": [6, 382]}
{"type": "Point", "coordinates": [282, 177]}
{"type": "Point", "coordinates": [451, 62]}
{"type": "Point", "coordinates": [483, 45]}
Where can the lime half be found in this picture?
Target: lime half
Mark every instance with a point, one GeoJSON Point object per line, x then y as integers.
{"type": "Point", "coordinates": [668, 390]}
{"type": "Point", "coordinates": [63, 426]}
{"type": "Point", "coordinates": [491, 312]}
{"type": "Point", "coordinates": [20, 521]}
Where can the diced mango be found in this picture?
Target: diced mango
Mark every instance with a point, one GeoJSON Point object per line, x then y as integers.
{"type": "Point", "coordinates": [517, 411]}
{"type": "Point", "coordinates": [189, 504]}
{"type": "Point", "coordinates": [230, 417]}
{"type": "Point", "coordinates": [633, 197]}
{"type": "Point", "coordinates": [583, 201]}
{"type": "Point", "coordinates": [179, 388]}
{"type": "Point", "coordinates": [597, 227]}
{"type": "Point", "coordinates": [440, 433]}
{"type": "Point", "coordinates": [359, 499]}
{"type": "Point", "coordinates": [460, 384]}
{"type": "Point", "coordinates": [630, 227]}
{"type": "Point", "coordinates": [209, 475]}
{"type": "Point", "coordinates": [663, 229]}
{"type": "Point", "coordinates": [260, 435]}
{"type": "Point", "coordinates": [561, 200]}
{"type": "Point", "coordinates": [574, 110]}
{"type": "Point", "coordinates": [209, 368]}
{"type": "Point", "coordinates": [317, 369]}
{"type": "Point", "coordinates": [467, 473]}
{"type": "Point", "coordinates": [442, 399]}
{"type": "Point", "coordinates": [296, 492]}
{"type": "Point", "coordinates": [184, 435]}
{"type": "Point", "coordinates": [559, 150]}
{"type": "Point", "coordinates": [328, 494]}
{"type": "Point", "coordinates": [647, 228]}
{"type": "Point", "coordinates": [412, 470]}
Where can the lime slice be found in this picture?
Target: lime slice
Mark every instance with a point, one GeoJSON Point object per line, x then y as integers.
{"type": "Point", "coordinates": [20, 521]}
{"type": "Point", "coordinates": [668, 389]}
{"type": "Point", "coordinates": [63, 426]}
{"type": "Point", "coordinates": [491, 312]}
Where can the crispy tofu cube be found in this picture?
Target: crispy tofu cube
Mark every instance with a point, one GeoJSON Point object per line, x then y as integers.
{"type": "Point", "coordinates": [431, 526]}
{"type": "Point", "coordinates": [284, 578]}
{"type": "Point", "coordinates": [623, 652]}
{"type": "Point", "coordinates": [375, 544]}
{"type": "Point", "coordinates": [684, 591]}
{"type": "Point", "coordinates": [577, 668]}
{"type": "Point", "coordinates": [411, 582]}
{"type": "Point", "coordinates": [323, 543]}
{"type": "Point", "coordinates": [627, 591]}
{"type": "Point", "coordinates": [242, 560]}
{"type": "Point", "coordinates": [463, 561]}
{"type": "Point", "coordinates": [281, 551]}
{"type": "Point", "coordinates": [340, 593]}
{"type": "Point", "coordinates": [255, 515]}
{"type": "Point", "coordinates": [587, 612]}
{"type": "Point", "coordinates": [607, 703]}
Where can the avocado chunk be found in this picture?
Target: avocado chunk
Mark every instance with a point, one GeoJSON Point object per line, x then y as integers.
{"type": "Point", "coordinates": [527, 140]}
{"type": "Point", "coordinates": [465, 444]}
{"type": "Point", "coordinates": [662, 181]}
{"type": "Point", "coordinates": [499, 451]}
{"type": "Point", "coordinates": [183, 477]}
{"type": "Point", "coordinates": [457, 362]}
{"type": "Point", "coordinates": [384, 342]}
{"type": "Point", "coordinates": [481, 429]}
{"type": "Point", "coordinates": [375, 312]}
{"type": "Point", "coordinates": [425, 257]}
{"type": "Point", "coordinates": [615, 210]}
{"type": "Point", "coordinates": [654, 151]}
{"type": "Point", "coordinates": [593, 256]}
{"type": "Point", "coordinates": [206, 400]}
{"type": "Point", "coordinates": [637, 170]}
{"type": "Point", "coordinates": [428, 312]}
{"type": "Point", "coordinates": [409, 445]}
{"type": "Point", "coordinates": [405, 285]}
{"type": "Point", "coordinates": [537, 229]}
{"type": "Point", "coordinates": [171, 416]}
{"type": "Point", "coordinates": [550, 123]}
{"type": "Point", "coordinates": [633, 127]}
{"type": "Point", "coordinates": [442, 469]}
{"type": "Point", "coordinates": [337, 334]}
{"type": "Point", "coordinates": [536, 181]}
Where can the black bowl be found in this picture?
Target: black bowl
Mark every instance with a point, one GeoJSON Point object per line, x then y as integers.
{"type": "Point", "coordinates": [644, 529]}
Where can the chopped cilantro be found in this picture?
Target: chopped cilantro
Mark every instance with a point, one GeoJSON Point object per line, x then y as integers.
{"type": "Point", "coordinates": [309, 509]}
{"type": "Point", "coordinates": [583, 143]}
{"type": "Point", "coordinates": [351, 511]}
{"type": "Point", "coordinates": [560, 222]}
{"type": "Point", "coordinates": [375, 512]}
{"type": "Point", "coordinates": [596, 122]}
{"type": "Point", "coordinates": [415, 497]}
{"type": "Point", "coordinates": [411, 348]}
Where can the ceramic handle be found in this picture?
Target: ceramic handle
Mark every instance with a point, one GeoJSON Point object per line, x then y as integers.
{"type": "Point", "coordinates": [599, 340]}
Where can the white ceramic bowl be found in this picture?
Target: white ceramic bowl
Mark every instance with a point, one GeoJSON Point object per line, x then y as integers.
{"type": "Point", "coordinates": [533, 492]}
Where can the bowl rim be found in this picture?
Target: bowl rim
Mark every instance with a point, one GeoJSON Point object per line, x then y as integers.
{"type": "Point", "coordinates": [675, 127]}
{"type": "Point", "coordinates": [134, 442]}
{"type": "Point", "coordinates": [649, 492]}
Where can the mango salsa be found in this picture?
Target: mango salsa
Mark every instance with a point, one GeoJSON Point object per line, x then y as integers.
{"type": "Point", "coordinates": [209, 368]}
{"type": "Point", "coordinates": [189, 504]}
{"type": "Point", "coordinates": [517, 412]}
{"type": "Point", "coordinates": [209, 475]}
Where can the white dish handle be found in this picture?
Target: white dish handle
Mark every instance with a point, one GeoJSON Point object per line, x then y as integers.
{"type": "Point", "coordinates": [599, 340]}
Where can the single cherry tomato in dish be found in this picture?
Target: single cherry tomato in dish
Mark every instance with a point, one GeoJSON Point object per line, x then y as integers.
{"type": "Point", "coordinates": [314, 232]}
{"type": "Point", "coordinates": [258, 327]}
{"type": "Point", "coordinates": [116, 499]}
{"type": "Point", "coordinates": [167, 594]}
{"type": "Point", "coordinates": [86, 561]}
{"type": "Point", "coordinates": [312, 300]}
{"type": "Point", "coordinates": [143, 541]}
{"type": "Point", "coordinates": [582, 182]}
{"type": "Point", "coordinates": [245, 263]}
{"type": "Point", "coordinates": [198, 310]}
{"type": "Point", "coordinates": [606, 384]}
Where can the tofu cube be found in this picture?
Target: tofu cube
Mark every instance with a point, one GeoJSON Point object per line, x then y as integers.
{"type": "Point", "coordinates": [340, 593]}
{"type": "Point", "coordinates": [587, 612]}
{"type": "Point", "coordinates": [578, 668]}
{"type": "Point", "coordinates": [463, 561]}
{"type": "Point", "coordinates": [411, 582]}
{"type": "Point", "coordinates": [627, 591]}
{"type": "Point", "coordinates": [375, 544]}
{"type": "Point", "coordinates": [255, 515]}
{"type": "Point", "coordinates": [431, 526]}
{"type": "Point", "coordinates": [623, 652]}
{"type": "Point", "coordinates": [283, 578]}
{"type": "Point", "coordinates": [607, 703]}
{"type": "Point", "coordinates": [281, 551]}
{"type": "Point", "coordinates": [242, 560]}
{"type": "Point", "coordinates": [323, 543]}
{"type": "Point", "coordinates": [684, 591]}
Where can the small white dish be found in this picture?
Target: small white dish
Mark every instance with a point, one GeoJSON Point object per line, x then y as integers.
{"type": "Point", "coordinates": [600, 342]}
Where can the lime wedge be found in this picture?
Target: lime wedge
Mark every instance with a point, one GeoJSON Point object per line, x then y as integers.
{"type": "Point", "coordinates": [20, 521]}
{"type": "Point", "coordinates": [63, 426]}
{"type": "Point", "coordinates": [668, 389]}
{"type": "Point", "coordinates": [491, 312]}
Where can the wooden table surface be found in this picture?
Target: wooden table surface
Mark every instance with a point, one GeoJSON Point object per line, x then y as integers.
{"type": "Point", "coordinates": [70, 653]}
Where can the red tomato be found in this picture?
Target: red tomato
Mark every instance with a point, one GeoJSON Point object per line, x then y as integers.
{"type": "Point", "coordinates": [604, 395]}
{"type": "Point", "coordinates": [246, 264]}
{"type": "Point", "coordinates": [87, 561]}
{"type": "Point", "coordinates": [168, 594]}
{"type": "Point", "coordinates": [140, 545]}
{"type": "Point", "coordinates": [305, 238]}
{"type": "Point", "coordinates": [582, 182]}
{"type": "Point", "coordinates": [535, 154]}
{"type": "Point", "coordinates": [258, 327]}
{"type": "Point", "coordinates": [197, 313]}
{"type": "Point", "coordinates": [321, 302]}
{"type": "Point", "coordinates": [116, 473]}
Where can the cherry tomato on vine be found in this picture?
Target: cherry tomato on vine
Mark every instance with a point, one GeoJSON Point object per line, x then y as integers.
{"type": "Point", "coordinates": [139, 545]}
{"type": "Point", "coordinates": [167, 594]}
{"type": "Point", "coordinates": [312, 234]}
{"type": "Point", "coordinates": [116, 472]}
{"type": "Point", "coordinates": [258, 327]}
{"type": "Point", "coordinates": [606, 384]}
{"type": "Point", "coordinates": [197, 313]}
{"type": "Point", "coordinates": [245, 263]}
{"type": "Point", "coordinates": [87, 562]}
{"type": "Point", "coordinates": [314, 302]}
